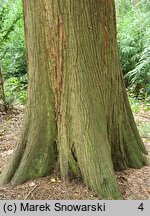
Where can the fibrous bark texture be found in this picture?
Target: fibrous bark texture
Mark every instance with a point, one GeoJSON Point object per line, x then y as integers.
{"type": "Point", "coordinates": [77, 103]}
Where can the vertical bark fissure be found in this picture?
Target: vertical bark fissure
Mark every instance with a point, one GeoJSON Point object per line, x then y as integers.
{"type": "Point", "coordinates": [87, 126]}
{"type": "Point", "coordinates": [60, 62]}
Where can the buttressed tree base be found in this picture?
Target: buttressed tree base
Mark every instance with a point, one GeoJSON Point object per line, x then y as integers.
{"type": "Point", "coordinates": [77, 110]}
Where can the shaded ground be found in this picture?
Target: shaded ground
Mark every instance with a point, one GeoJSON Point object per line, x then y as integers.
{"type": "Point", "coordinates": [134, 183]}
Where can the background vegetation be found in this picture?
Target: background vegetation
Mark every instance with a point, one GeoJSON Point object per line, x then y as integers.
{"type": "Point", "coordinates": [133, 23]}
{"type": "Point", "coordinates": [12, 51]}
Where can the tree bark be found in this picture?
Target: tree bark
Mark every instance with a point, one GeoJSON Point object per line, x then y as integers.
{"type": "Point", "coordinates": [2, 91]}
{"type": "Point", "coordinates": [78, 111]}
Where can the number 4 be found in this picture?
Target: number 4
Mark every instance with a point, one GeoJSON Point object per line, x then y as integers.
{"type": "Point", "coordinates": [141, 207]}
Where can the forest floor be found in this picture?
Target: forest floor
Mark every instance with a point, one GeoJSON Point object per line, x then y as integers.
{"type": "Point", "coordinates": [134, 183]}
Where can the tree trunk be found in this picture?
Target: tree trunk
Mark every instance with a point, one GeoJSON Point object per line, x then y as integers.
{"type": "Point", "coordinates": [2, 92]}
{"type": "Point", "coordinates": [78, 111]}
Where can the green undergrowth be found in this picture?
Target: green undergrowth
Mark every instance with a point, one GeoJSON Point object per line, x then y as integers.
{"type": "Point", "coordinates": [141, 109]}
{"type": "Point", "coordinates": [144, 129]}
